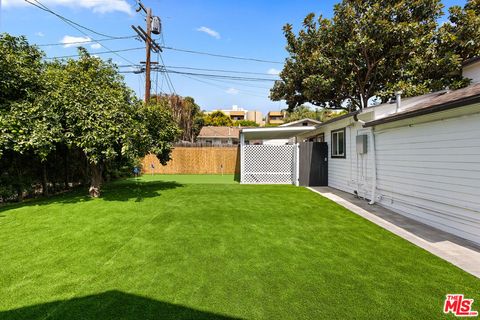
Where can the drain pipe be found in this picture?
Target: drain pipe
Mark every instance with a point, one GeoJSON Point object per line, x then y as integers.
{"type": "Point", "coordinates": [372, 134]}
{"type": "Point", "coordinates": [398, 100]}
{"type": "Point", "coordinates": [374, 151]}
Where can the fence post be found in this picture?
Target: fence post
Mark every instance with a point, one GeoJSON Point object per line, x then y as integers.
{"type": "Point", "coordinates": [242, 155]}
{"type": "Point", "coordinates": [297, 164]}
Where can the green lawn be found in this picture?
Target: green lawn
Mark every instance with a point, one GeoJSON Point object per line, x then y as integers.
{"type": "Point", "coordinates": [205, 247]}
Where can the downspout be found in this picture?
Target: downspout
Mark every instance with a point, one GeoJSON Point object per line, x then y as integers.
{"type": "Point", "coordinates": [374, 182]}
{"type": "Point", "coordinates": [398, 100]}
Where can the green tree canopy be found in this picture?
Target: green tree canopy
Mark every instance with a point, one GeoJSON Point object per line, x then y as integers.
{"type": "Point", "coordinates": [78, 113]}
{"type": "Point", "coordinates": [368, 49]}
{"type": "Point", "coordinates": [303, 112]}
{"type": "Point", "coordinates": [462, 33]}
{"type": "Point", "coordinates": [246, 123]}
{"type": "Point", "coordinates": [217, 119]}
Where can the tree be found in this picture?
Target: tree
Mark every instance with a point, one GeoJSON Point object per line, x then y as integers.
{"type": "Point", "coordinates": [368, 49]}
{"type": "Point", "coordinates": [462, 33]}
{"type": "Point", "coordinates": [73, 122]}
{"type": "Point", "coordinates": [303, 112]}
{"type": "Point", "coordinates": [246, 123]}
{"type": "Point", "coordinates": [217, 119]}
{"type": "Point", "coordinates": [185, 111]}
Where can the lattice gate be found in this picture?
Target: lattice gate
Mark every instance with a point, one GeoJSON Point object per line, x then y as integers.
{"type": "Point", "coordinates": [269, 164]}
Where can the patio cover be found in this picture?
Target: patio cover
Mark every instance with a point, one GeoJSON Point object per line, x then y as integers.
{"type": "Point", "coordinates": [274, 132]}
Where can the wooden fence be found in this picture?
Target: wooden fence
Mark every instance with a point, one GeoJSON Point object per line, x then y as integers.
{"type": "Point", "coordinates": [207, 160]}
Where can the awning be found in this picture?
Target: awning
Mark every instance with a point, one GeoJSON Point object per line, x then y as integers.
{"type": "Point", "coordinates": [274, 132]}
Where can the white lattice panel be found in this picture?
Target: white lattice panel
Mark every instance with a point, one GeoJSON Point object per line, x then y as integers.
{"type": "Point", "coordinates": [268, 164]}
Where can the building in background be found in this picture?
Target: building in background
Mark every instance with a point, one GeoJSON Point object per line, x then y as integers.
{"type": "Point", "coordinates": [275, 118]}
{"type": "Point", "coordinates": [237, 114]}
{"type": "Point", "coordinates": [216, 136]}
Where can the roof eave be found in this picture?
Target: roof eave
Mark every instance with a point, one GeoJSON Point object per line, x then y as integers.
{"type": "Point", "coordinates": [433, 109]}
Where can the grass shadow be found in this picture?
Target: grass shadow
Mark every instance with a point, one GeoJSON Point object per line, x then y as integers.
{"type": "Point", "coordinates": [120, 190]}
{"type": "Point", "coordinates": [109, 305]}
{"type": "Point", "coordinates": [126, 190]}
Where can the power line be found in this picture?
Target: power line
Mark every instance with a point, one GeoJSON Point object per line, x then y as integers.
{"type": "Point", "coordinates": [251, 93]}
{"type": "Point", "coordinates": [212, 70]}
{"type": "Point", "coordinates": [84, 42]}
{"type": "Point", "coordinates": [169, 80]}
{"type": "Point", "coordinates": [101, 52]}
{"type": "Point", "coordinates": [74, 25]}
{"type": "Point", "coordinates": [45, 8]}
{"type": "Point", "coordinates": [220, 55]}
{"type": "Point", "coordinates": [219, 76]}
{"type": "Point", "coordinates": [221, 70]}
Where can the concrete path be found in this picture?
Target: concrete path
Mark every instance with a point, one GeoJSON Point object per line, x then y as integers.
{"type": "Point", "coordinates": [460, 252]}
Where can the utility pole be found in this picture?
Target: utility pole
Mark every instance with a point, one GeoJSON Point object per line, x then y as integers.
{"type": "Point", "coordinates": [150, 44]}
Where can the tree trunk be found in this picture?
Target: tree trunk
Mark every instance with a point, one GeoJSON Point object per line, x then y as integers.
{"type": "Point", "coordinates": [44, 179]}
{"type": "Point", "coordinates": [96, 180]}
{"type": "Point", "coordinates": [65, 168]}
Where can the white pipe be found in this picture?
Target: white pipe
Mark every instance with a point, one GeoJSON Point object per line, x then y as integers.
{"type": "Point", "coordinates": [374, 154]}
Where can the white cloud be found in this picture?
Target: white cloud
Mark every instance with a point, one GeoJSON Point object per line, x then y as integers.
{"type": "Point", "coordinates": [71, 41]}
{"type": "Point", "coordinates": [210, 32]}
{"type": "Point", "coordinates": [273, 71]}
{"type": "Point", "coordinates": [96, 46]}
{"type": "Point", "coordinates": [100, 6]}
{"type": "Point", "coordinates": [40, 34]}
{"type": "Point", "coordinates": [232, 91]}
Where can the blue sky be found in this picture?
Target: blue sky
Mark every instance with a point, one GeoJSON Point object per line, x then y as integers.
{"type": "Point", "coordinates": [236, 28]}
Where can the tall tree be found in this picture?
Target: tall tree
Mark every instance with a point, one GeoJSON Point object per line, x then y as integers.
{"type": "Point", "coordinates": [462, 31]}
{"type": "Point", "coordinates": [185, 112]}
{"type": "Point", "coordinates": [368, 49]}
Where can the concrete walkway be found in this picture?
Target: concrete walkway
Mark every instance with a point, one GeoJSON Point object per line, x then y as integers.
{"type": "Point", "coordinates": [460, 252]}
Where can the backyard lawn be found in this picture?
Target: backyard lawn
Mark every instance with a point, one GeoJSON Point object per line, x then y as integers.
{"type": "Point", "coordinates": [205, 247]}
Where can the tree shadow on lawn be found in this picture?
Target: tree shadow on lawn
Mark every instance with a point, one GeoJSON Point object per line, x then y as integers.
{"type": "Point", "coordinates": [122, 190]}
{"type": "Point", "coordinates": [109, 305]}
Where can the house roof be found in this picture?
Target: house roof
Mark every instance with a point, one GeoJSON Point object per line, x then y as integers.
{"type": "Point", "coordinates": [219, 132]}
{"type": "Point", "coordinates": [443, 101]}
{"type": "Point", "coordinates": [470, 61]}
{"type": "Point", "coordinates": [289, 124]}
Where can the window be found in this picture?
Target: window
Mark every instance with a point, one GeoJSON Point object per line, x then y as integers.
{"type": "Point", "coordinates": [338, 143]}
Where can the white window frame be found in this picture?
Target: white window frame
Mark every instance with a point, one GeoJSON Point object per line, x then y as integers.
{"type": "Point", "coordinates": [335, 143]}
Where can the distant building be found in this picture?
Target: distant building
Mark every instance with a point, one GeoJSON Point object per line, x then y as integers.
{"type": "Point", "coordinates": [275, 117]}
{"type": "Point", "coordinates": [237, 114]}
{"type": "Point", "coordinates": [215, 136]}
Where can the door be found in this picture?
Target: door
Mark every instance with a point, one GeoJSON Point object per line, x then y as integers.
{"type": "Point", "coordinates": [313, 164]}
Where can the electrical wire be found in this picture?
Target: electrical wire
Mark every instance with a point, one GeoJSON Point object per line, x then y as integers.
{"type": "Point", "coordinates": [101, 52]}
{"type": "Point", "coordinates": [243, 92]}
{"type": "Point", "coordinates": [45, 8]}
{"type": "Point", "coordinates": [167, 73]}
{"type": "Point", "coordinates": [84, 42]}
{"type": "Point", "coordinates": [220, 55]}
{"type": "Point", "coordinates": [74, 25]}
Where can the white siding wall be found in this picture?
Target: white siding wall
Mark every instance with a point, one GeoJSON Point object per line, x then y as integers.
{"type": "Point", "coordinates": [355, 172]}
{"type": "Point", "coordinates": [431, 172]}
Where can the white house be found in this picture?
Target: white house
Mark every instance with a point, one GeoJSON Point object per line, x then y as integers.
{"type": "Point", "coordinates": [419, 157]}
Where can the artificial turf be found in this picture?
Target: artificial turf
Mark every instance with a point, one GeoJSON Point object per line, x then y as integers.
{"type": "Point", "coordinates": [205, 247]}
